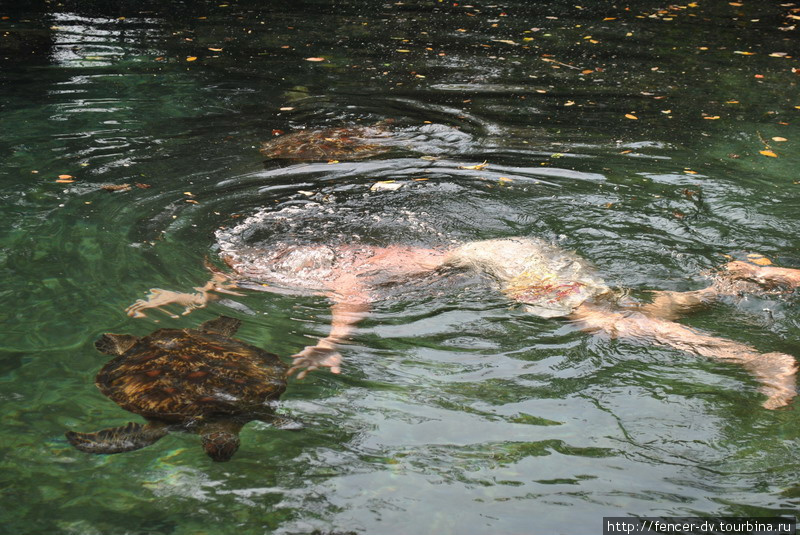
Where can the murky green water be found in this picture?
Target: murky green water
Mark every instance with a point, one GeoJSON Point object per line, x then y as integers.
{"type": "Point", "coordinates": [455, 413]}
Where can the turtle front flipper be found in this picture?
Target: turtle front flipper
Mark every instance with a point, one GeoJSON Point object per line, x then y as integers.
{"type": "Point", "coordinates": [222, 325]}
{"type": "Point", "coordinates": [128, 437]}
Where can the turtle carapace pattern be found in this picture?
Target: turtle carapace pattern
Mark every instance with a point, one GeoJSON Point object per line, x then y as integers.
{"type": "Point", "coordinates": [327, 144]}
{"type": "Point", "coordinates": [200, 381]}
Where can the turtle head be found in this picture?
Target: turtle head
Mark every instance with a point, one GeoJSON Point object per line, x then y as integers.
{"type": "Point", "coordinates": [220, 445]}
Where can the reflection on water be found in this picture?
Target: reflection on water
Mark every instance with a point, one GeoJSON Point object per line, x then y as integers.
{"type": "Point", "coordinates": [633, 136]}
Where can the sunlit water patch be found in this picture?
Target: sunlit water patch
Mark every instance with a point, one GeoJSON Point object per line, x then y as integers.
{"type": "Point", "coordinates": [647, 140]}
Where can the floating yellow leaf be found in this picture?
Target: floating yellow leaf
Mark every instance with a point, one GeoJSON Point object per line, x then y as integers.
{"type": "Point", "coordinates": [191, 58]}
{"type": "Point", "coordinates": [744, 53]}
{"type": "Point", "coordinates": [768, 153]}
{"type": "Point", "coordinates": [403, 50]}
{"type": "Point", "coordinates": [504, 179]}
{"type": "Point", "coordinates": [631, 116]}
{"type": "Point", "coordinates": [779, 139]}
{"type": "Point", "coordinates": [215, 49]}
{"type": "Point", "coordinates": [761, 260]}
{"type": "Point", "coordinates": [689, 172]}
{"type": "Point", "coordinates": [63, 177]}
{"type": "Point", "coordinates": [477, 167]}
{"type": "Point", "coordinates": [315, 59]}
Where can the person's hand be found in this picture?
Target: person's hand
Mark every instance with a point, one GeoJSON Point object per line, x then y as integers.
{"type": "Point", "coordinates": [324, 354]}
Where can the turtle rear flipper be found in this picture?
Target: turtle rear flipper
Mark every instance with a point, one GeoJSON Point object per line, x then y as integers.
{"type": "Point", "coordinates": [128, 437]}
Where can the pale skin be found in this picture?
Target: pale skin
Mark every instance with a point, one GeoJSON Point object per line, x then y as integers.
{"type": "Point", "coordinates": [351, 293]}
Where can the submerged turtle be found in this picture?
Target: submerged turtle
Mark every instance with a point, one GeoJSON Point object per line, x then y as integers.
{"type": "Point", "coordinates": [193, 380]}
{"type": "Point", "coordinates": [354, 143]}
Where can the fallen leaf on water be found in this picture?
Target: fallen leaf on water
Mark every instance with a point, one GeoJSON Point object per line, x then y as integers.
{"type": "Point", "coordinates": [744, 53]}
{"type": "Point", "coordinates": [315, 59]}
{"type": "Point", "coordinates": [477, 167]}
{"type": "Point", "coordinates": [768, 153]}
{"type": "Point", "coordinates": [779, 139]}
{"type": "Point", "coordinates": [332, 162]}
{"type": "Point", "coordinates": [504, 180]}
{"type": "Point", "coordinates": [191, 58]}
{"type": "Point", "coordinates": [287, 108]}
{"type": "Point", "coordinates": [116, 187]}
{"type": "Point", "coordinates": [215, 49]}
{"type": "Point", "coordinates": [141, 185]}
{"type": "Point", "coordinates": [711, 118]}
{"type": "Point", "coordinates": [689, 172]}
{"type": "Point", "coordinates": [758, 259]}
{"type": "Point", "coordinates": [631, 116]}
{"type": "Point", "coordinates": [64, 181]}
{"type": "Point", "coordinates": [386, 185]}
{"type": "Point", "coordinates": [191, 201]}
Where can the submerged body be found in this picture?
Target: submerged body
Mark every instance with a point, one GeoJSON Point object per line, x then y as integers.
{"type": "Point", "coordinates": [547, 280]}
{"type": "Point", "coordinates": [193, 380]}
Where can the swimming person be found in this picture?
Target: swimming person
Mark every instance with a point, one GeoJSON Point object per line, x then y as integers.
{"type": "Point", "coordinates": [547, 280]}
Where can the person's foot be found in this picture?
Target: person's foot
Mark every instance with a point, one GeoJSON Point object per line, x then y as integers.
{"type": "Point", "coordinates": [777, 373]}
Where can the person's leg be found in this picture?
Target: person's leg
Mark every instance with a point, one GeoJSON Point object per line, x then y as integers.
{"type": "Point", "coordinates": [734, 278]}
{"type": "Point", "coordinates": [775, 371]}
{"type": "Point", "coordinates": [768, 276]}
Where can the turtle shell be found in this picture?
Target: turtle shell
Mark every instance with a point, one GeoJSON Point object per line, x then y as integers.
{"type": "Point", "coordinates": [179, 375]}
{"type": "Point", "coordinates": [328, 144]}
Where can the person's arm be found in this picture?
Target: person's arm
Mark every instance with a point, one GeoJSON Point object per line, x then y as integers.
{"type": "Point", "coordinates": [350, 306]}
{"type": "Point", "coordinates": [325, 353]}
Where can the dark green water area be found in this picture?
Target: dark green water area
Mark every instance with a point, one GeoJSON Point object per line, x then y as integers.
{"type": "Point", "coordinates": [656, 140]}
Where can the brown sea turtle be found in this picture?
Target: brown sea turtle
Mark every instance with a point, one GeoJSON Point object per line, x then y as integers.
{"type": "Point", "coordinates": [353, 143]}
{"type": "Point", "coordinates": [193, 380]}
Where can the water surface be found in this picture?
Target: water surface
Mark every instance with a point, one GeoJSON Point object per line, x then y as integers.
{"type": "Point", "coordinates": [635, 135]}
